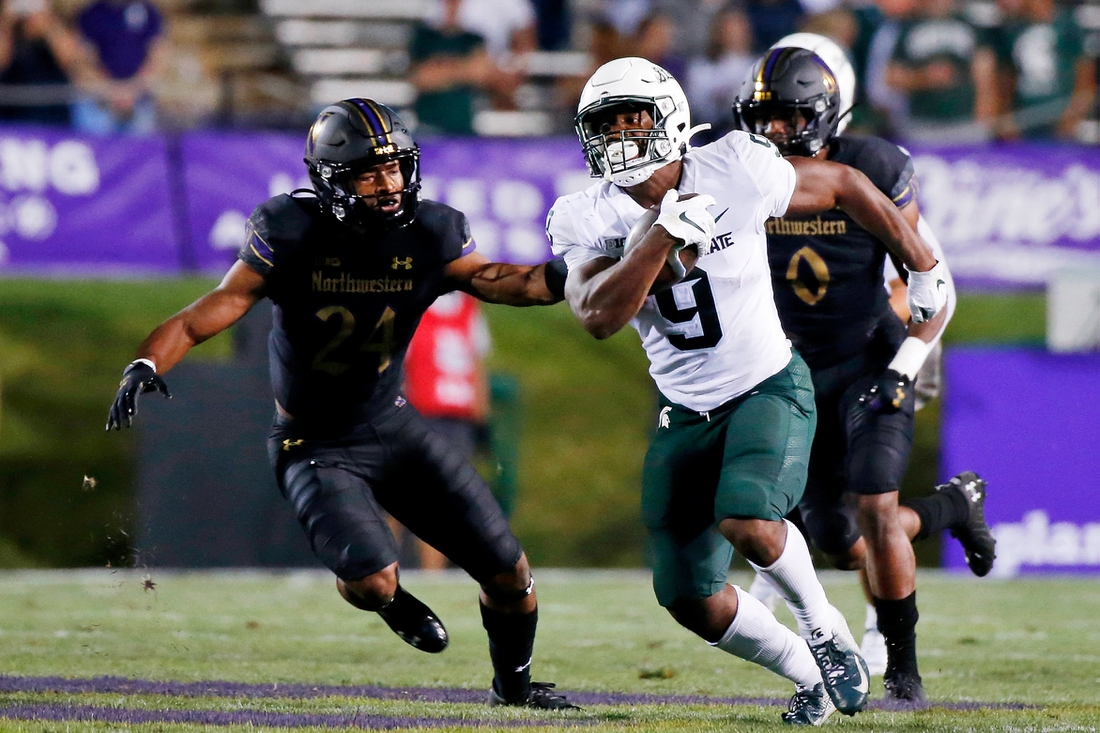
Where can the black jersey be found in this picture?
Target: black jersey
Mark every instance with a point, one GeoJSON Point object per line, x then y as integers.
{"type": "Point", "coordinates": [346, 305]}
{"type": "Point", "coordinates": [827, 270]}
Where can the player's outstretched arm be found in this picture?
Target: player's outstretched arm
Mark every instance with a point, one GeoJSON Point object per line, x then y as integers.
{"type": "Point", "coordinates": [497, 282]}
{"type": "Point", "coordinates": [239, 290]}
{"type": "Point", "coordinates": [822, 185]}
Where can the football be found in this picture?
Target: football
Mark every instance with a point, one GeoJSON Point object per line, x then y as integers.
{"type": "Point", "coordinates": [688, 255]}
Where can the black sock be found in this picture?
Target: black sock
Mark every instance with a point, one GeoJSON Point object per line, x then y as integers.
{"type": "Point", "coordinates": [938, 511]}
{"type": "Point", "coordinates": [897, 620]}
{"type": "Point", "coordinates": [511, 644]}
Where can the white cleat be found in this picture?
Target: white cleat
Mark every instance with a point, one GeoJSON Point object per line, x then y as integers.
{"type": "Point", "coordinates": [873, 650]}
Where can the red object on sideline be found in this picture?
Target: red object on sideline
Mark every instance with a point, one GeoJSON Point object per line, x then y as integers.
{"type": "Point", "coordinates": [444, 376]}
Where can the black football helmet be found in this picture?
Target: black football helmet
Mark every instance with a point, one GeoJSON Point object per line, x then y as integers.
{"type": "Point", "coordinates": [347, 138]}
{"type": "Point", "coordinates": [794, 85]}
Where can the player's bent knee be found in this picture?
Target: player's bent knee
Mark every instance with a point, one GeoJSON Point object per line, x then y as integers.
{"type": "Point", "coordinates": [511, 586]}
{"type": "Point", "coordinates": [371, 592]}
{"type": "Point", "coordinates": [760, 541]}
{"type": "Point", "coordinates": [877, 514]}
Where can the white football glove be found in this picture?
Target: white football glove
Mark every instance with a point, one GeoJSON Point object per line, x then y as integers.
{"type": "Point", "coordinates": [687, 220]}
{"type": "Point", "coordinates": [927, 293]}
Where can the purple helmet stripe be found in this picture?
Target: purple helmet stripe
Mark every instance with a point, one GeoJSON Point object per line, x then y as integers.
{"type": "Point", "coordinates": [371, 118]}
{"type": "Point", "coordinates": [766, 71]}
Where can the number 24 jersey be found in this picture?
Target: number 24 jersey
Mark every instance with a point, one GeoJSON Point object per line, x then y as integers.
{"type": "Point", "coordinates": [346, 304]}
{"type": "Point", "coordinates": [715, 335]}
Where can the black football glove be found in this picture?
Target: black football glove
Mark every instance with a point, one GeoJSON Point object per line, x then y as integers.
{"type": "Point", "coordinates": [888, 393]}
{"type": "Point", "coordinates": [138, 378]}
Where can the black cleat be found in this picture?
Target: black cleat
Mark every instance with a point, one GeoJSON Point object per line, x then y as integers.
{"type": "Point", "coordinates": [809, 706]}
{"type": "Point", "coordinates": [414, 622]}
{"type": "Point", "coordinates": [541, 695]}
{"type": "Point", "coordinates": [905, 687]}
{"type": "Point", "coordinates": [973, 534]}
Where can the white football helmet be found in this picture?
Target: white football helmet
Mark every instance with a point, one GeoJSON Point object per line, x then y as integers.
{"type": "Point", "coordinates": [629, 157]}
{"type": "Point", "coordinates": [834, 57]}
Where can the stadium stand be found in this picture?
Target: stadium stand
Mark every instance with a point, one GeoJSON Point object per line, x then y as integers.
{"type": "Point", "coordinates": [346, 48]}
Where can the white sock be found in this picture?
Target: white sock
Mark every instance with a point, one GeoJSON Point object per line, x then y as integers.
{"type": "Point", "coordinates": [793, 575]}
{"type": "Point", "coordinates": [764, 591]}
{"type": "Point", "coordinates": [756, 636]}
{"type": "Point", "coordinates": [871, 624]}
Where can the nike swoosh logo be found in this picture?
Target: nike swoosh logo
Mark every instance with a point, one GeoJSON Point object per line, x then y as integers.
{"type": "Point", "coordinates": [683, 218]}
{"type": "Point", "coordinates": [864, 683]}
{"type": "Point", "coordinates": [721, 215]}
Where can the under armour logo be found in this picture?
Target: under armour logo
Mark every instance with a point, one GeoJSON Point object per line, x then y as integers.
{"type": "Point", "coordinates": [288, 443]}
{"type": "Point", "coordinates": [663, 420]}
{"type": "Point", "coordinates": [398, 263]}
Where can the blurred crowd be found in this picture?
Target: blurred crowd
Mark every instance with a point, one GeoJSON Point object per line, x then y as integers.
{"type": "Point", "coordinates": [942, 70]}
{"type": "Point", "coordinates": [95, 72]}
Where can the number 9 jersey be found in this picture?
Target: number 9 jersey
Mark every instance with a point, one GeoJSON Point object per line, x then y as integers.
{"type": "Point", "coordinates": [346, 304]}
{"type": "Point", "coordinates": [715, 335]}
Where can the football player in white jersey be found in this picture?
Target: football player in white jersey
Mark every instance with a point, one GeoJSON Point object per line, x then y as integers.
{"type": "Point", "coordinates": [729, 456]}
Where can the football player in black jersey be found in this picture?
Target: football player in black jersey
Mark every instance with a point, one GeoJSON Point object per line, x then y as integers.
{"type": "Point", "coordinates": [350, 267]}
{"type": "Point", "coordinates": [827, 274]}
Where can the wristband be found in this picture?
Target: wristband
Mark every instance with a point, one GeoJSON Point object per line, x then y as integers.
{"type": "Point", "coordinates": [555, 275]}
{"type": "Point", "coordinates": [910, 357]}
{"type": "Point", "coordinates": [143, 360]}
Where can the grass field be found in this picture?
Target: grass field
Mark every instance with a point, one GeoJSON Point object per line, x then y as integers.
{"type": "Point", "coordinates": [104, 650]}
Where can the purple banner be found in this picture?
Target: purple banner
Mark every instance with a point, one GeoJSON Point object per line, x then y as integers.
{"type": "Point", "coordinates": [1029, 422]}
{"type": "Point", "coordinates": [226, 175]}
{"type": "Point", "coordinates": [84, 205]}
{"type": "Point", "coordinates": [505, 187]}
{"type": "Point", "coordinates": [1015, 214]}
{"type": "Point", "coordinates": [1010, 215]}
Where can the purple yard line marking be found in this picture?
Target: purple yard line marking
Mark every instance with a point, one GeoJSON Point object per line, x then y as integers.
{"type": "Point", "coordinates": [217, 688]}
{"type": "Point", "coordinates": [253, 718]}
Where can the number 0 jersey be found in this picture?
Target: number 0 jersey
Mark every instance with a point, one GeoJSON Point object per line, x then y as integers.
{"type": "Point", "coordinates": [715, 335]}
{"type": "Point", "coordinates": [827, 269]}
{"type": "Point", "coordinates": [346, 305]}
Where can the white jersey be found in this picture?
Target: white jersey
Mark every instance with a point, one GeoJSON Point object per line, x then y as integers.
{"type": "Point", "coordinates": [717, 334]}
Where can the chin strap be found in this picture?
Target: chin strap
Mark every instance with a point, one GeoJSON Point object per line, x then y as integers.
{"type": "Point", "coordinates": [695, 131]}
